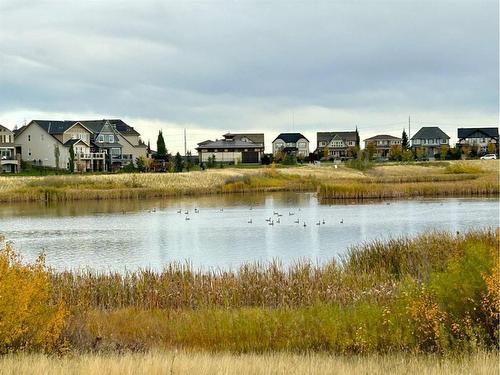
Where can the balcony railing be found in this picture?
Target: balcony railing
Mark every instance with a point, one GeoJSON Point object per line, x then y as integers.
{"type": "Point", "coordinates": [92, 155]}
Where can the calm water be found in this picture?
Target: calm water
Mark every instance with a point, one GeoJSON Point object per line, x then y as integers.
{"type": "Point", "coordinates": [126, 235]}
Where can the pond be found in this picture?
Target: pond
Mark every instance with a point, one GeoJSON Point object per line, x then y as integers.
{"type": "Point", "coordinates": [223, 231]}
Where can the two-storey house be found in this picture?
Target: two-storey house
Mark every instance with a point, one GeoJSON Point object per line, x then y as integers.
{"type": "Point", "coordinates": [383, 144]}
{"type": "Point", "coordinates": [481, 138]}
{"type": "Point", "coordinates": [335, 145]}
{"type": "Point", "coordinates": [233, 148]}
{"type": "Point", "coordinates": [430, 140]}
{"type": "Point", "coordinates": [8, 159]}
{"type": "Point", "coordinates": [96, 144]}
{"type": "Point", "coordinates": [291, 144]}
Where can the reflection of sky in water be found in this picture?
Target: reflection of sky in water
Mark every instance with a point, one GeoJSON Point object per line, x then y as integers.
{"type": "Point", "coordinates": [118, 235]}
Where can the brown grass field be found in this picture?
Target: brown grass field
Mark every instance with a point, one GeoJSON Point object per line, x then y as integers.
{"type": "Point", "coordinates": [159, 363]}
{"type": "Point", "coordinates": [455, 178]}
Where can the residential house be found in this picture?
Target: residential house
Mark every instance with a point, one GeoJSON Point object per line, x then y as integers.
{"type": "Point", "coordinates": [430, 140]}
{"type": "Point", "coordinates": [97, 144]}
{"type": "Point", "coordinates": [383, 144]}
{"type": "Point", "coordinates": [8, 159]}
{"type": "Point", "coordinates": [233, 148]}
{"type": "Point", "coordinates": [336, 145]}
{"type": "Point", "coordinates": [479, 138]}
{"type": "Point", "coordinates": [291, 144]}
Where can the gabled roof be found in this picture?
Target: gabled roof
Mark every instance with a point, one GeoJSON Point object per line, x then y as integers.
{"type": "Point", "coordinates": [383, 137]}
{"type": "Point", "coordinates": [5, 129]}
{"type": "Point", "coordinates": [290, 137]}
{"type": "Point", "coordinates": [328, 136]}
{"type": "Point", "coordinates": [121, 126]}
{"type": "Point", "coordinates": [55, 127]}
{"type": "Point", "coordinates": [73, 142]}
{"type": "Point", "coordinates": [477, 133]}
{"type": "Point", "coordinates": [95, 126]}
{"type": "Point", "coordinates": [430, 132]}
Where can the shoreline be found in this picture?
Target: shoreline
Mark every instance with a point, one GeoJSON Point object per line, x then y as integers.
{"type": "Point", "coordinates": [457, 179]}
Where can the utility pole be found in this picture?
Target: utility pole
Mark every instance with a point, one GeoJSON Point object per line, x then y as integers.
{"type": "Point", "coordinates": [185, 148]}
{"type": "Point", "coordinates": [409, 127]}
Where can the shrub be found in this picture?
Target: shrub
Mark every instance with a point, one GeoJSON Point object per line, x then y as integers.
{"type": "Point", "coordinates": [29, 320]}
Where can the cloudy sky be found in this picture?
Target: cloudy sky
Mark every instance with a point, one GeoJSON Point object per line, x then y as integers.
{"type": "Point", "coordinates": [260, 66]}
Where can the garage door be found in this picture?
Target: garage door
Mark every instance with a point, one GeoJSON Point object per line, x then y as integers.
{"type": "Point", "coordinates": [250, 157]}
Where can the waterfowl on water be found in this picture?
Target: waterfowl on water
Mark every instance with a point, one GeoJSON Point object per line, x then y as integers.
{"type": "Point", "coordinates": [296, 221]}
{"type": "Point", "coordinates": [342, 221]}
{"type": "Point", "coordinates": [249, 221]}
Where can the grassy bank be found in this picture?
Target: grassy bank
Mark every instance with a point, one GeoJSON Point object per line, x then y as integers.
{"type": "Point", "coordinates": [436, 293]}
{"type": "Point", "coordinates": [383, 181]}
{"type": "Point", "coordinates": [158, 362]}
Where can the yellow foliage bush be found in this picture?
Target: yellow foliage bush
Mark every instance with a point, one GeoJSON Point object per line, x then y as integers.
{"type": "Point", "coordinates": [29, 320]}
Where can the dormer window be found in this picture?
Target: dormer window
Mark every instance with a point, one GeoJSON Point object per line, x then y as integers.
{"type": "Point", "coordinates": [111, 138]}
{"type": "Point", "coordinates": [101, 138]}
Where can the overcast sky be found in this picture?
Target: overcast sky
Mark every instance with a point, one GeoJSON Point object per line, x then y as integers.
{"type": "Point", "coordinates": [260, 66]}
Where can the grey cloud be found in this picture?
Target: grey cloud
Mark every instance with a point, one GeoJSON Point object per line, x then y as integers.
{"type": "Point", "coordinates": [224, 63]}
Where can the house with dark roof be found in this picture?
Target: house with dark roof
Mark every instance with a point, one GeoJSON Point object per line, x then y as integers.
{"type": "Point", "coordinates": [98, 144]}
{"type": "Point", "coordinates": [335, 145]}
{"type": "Point", "coordinates": [430, 140]}
{"type": "Point", "coordinates": [291, 144]}
{"type": "Point", "coordinates": [234, 148]}
{"type": "Point", "coordinates": [479, 138]}
{"type": "Point", "coordinates": [8, 159]}
{"type": "Point", "coordinates": [383, 144]}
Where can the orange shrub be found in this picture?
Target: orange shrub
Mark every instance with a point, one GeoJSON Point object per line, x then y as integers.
{"type": "Point", "coordinates": [28, 320]}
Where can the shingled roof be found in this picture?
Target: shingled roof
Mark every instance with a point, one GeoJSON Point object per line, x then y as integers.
{"type": "Point", "coordinates": [382, 137]}
{"type": "Point", "coordinates": [328, 136]}
{"type": "Point", "coordinates": [430, 132]}
{"type": "Point", "coordinates": [477, 133]}
{"type": "Point", "coordinates": [290, 137]}
{"type": "Point", "coordinates": [58, 127]}
{"type": "Point", "coordinates": [254, 137]}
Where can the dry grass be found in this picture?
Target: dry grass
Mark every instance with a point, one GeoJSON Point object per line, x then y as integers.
{"type": "Point", "coordinates": [382, 181]}
{"type": "Point", "coordinates": [158, 362]}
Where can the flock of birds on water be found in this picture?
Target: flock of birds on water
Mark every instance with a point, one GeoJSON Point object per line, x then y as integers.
{"type": "Point", "coordinates": [274, 219]}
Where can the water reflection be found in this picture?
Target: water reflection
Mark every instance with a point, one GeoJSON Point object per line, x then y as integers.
{"type": "Point", "coordinates": [118, 235]}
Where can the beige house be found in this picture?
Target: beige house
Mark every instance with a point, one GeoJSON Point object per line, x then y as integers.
{"type": "Point", "coordinates": [336, 145]}
{"type": "Point", "coordinates": [383, 144]}
{"type": "Point", "coordinates": [98, 145]}
{"type": "Point", "coordinates": [8, 160]}
{"type": "Point", "coordinates": [291, 144]}
{"type": "Point", "coordinates": [234, 148]}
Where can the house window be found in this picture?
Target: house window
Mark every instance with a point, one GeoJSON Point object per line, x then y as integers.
{"type": "Point", "coordinates": [302, 144]}
{"type": "Point", "coordinates": [111, 138]}
{"type": "Point", "coordinates": [29, 138]}
{"type": "Point", "coordinates": [443, 141]}
{"type": "Point", "coordinates": [101, 138]}
{"type": "Point", "coordinates": [29, 150]}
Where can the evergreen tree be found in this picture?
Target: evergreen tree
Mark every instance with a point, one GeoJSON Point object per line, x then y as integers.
{"type": "Point", "coordinates": [57, 153]}
{"type": "Point", "coordinates": [357, 139]}
{"type": "Point", "coordinates": [179, 163]}
{"type": "Point", "coordinates": [71, 159]}
{"type": "Point", "coordinates": [404, 142]}
{"type": "Point", "coordinates": [161, 150]}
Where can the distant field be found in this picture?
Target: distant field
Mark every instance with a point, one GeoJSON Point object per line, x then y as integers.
{"type": "Point", "coordinates": [470, 178]}
{"type": "Point", "coordinates": [156, 363]}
